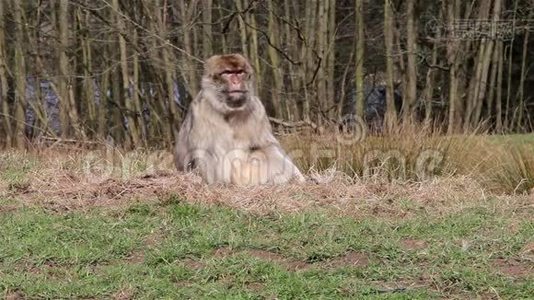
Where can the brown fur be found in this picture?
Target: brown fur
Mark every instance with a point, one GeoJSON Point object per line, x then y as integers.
{"type": "Point", "coordinates": [218, 63]}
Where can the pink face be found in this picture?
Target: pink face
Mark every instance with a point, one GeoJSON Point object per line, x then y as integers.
{"type": "Point", "coordinates": [236, 89]}
{"type": "Point", "coordinates": [235, 80]}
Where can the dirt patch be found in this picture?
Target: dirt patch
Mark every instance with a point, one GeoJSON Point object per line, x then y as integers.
{"type": "Point", "coordinates": [223, 252]}
{"type": "Point", "coordinates": [15, 295]}
{"type": "Point", "coordinates": [49, 268]}
{"type": "Point", "coordinates": [266, 255]}
{"type": "Point", "coordinates": [193, 264]}
{"type": "Point", "coordinates": [289, 264]}
{"type": "Point", "coordinates": [527, 252]}
{"type": "Point", "coordinates": [136, 257]}
{"type": "Point", "coordinates": [255, 286]}
{"type": "Point", "coordinates": [413, 244]}
{"type": "Point", "coordinates": [349, 259]}
{"type": "Point", "coordinates": [514, 268]}
{"type": "Point", "coordinates": [125, 294]}
{"type": "Point", "coordinates": [153, 239]}
{"type": "Point", "coordinates": [7, 208]}
{"type": "Point", "coordinates": [285, 262]}
{"type": "Point", "coordinates": [514, 226]}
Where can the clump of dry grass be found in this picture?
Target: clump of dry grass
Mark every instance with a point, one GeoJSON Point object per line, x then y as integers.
{"type": "Point", "coordinates": [510, 170]}
{"type": "Point", "coordinates": [58, 189]}
{"type": "Point", "coordinates": [414, 155]}
{"type": "Point", "coordinates": [332, 191]}
{"type": "Point", "coordinates": [395, 174]}
{"type": "Point", "coordinates": [410, 155]}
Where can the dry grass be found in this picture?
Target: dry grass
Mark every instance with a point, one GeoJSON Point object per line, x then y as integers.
{"type": "Point", "coordinates": [500, 164]}
{"type": "Point", "coordinates": [400, 174]}
{"type": "Point", "coordinates": [65, 180]}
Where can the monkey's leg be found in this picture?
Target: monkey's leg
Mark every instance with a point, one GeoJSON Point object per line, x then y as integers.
{"type": "Point", "coordinates": [279, 167]}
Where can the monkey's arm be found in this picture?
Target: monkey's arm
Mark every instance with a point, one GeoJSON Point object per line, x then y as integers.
{"type": "Point", "coordinates": [264, 136]}
{"type": "Point", "coordinates": [281, 168]}
{"type": "Point", "coordinates": [181, 151]}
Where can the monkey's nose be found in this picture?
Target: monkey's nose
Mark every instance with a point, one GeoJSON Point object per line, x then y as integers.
{"type": "Point", "coordinates": [235, 86]}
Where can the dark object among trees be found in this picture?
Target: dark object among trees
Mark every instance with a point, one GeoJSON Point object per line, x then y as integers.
{"type": "Point", "coordinates": [374, 105]}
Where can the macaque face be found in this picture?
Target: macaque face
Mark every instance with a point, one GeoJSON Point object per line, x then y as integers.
{"type": "Point", "coordinates": [231, 78]}
{"type": "Point", "coordinates": [236, 91]}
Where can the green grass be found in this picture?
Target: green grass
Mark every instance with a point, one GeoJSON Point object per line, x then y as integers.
{"type": "Point", "coordinates": [176, 250]}
{"type": "Point", "coordinates": [14, 168]}
{"type": "Point", "coordinates": [518, 139]}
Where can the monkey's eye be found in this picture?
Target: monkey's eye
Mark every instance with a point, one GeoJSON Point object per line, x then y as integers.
{"type": "Point", "coordinates": [232, 72]}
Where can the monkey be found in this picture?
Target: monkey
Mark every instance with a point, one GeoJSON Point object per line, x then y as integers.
{"type": "Point", "coordinates": [226, 136]}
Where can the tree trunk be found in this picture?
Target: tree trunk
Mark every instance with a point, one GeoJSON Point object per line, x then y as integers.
{"type": "Point", "coordinates": [521, 91]}
{"type": "Point", "coordinates": [322, 22]}
{"type": "Point", "coordinates": [275, 63]}
{"type": "Point", "coordinates": [254, 50]}
{"type": "Point", "coordinates": [477, 78]}
{"type": "Point", "coordinates": [452, 52]}
{"type": "Point", "coordinates": [360, 52]}
{"type": "Point", "coordinates": [498, 98]}
{"type": "Point", "coordinates": [428, 92]}
{"type": "Point", "coordinates": [69, 113]}
{"type": "Point", "coordinates": [507, 123]}
{"type": "Point", "coordinates": [331, 58]}
{"type": "Point", "coordinates": [391, 113]}
{"type": "Point", "coordinates": [6, 121]}
{"type": "Point", "coordinates": [293, 49]}
{"type": "Point", "coordinates": [88, 83]}
{"type": "Point", "coordinates": [186, 9]}
{"type": "Point", "coordinates": [307, 56]}
{"type": "Point", "coordinates": [411, 46]}
{"type": "Point", "coordinates": [131, 113]}
{"type": "Point", "coordinates": [242, 29]}
{"type": "Point", "coordinates": [207, 46]}
{"type": "Point", "coordinates": [492, 83]}
{"type": "Point", "coordinates": [487, 62]}
{"type": "Point", "coordinates": [19, 71]}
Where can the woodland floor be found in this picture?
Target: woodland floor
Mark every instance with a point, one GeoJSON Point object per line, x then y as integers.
{"type": "Point", "coordinates": [165, 235]}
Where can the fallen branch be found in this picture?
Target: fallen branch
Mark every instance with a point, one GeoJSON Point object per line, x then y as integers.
{"type": "Point", "coordinates": [63, 140]}
{"type": "Point", "coordinates": [293, 124]}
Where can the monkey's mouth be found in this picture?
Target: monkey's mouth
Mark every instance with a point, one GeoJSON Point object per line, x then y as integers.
{"type": "Point", "coordinates": [236, 98]}
{"type": "Point", "coordinates": [235, 93]}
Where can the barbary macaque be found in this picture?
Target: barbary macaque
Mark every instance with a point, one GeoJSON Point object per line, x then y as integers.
{"type": "Point", "coordinates": [226, 136]}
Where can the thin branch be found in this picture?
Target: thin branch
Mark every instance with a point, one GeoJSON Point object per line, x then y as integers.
{"type": "Point", "coordinates": [235, 14]}
{"type": "Point", "coordinates": [266, 35]}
